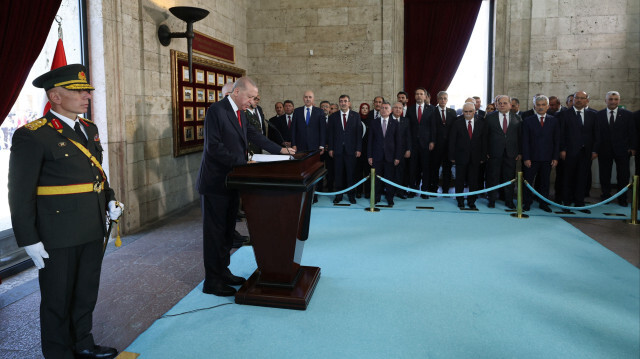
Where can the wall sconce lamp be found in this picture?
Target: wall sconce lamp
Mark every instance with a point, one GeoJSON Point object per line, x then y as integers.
{"type": "Point", "coordinates": [189, 15]}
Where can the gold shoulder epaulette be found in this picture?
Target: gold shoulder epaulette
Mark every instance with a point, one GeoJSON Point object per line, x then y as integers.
{"type": "Point", "coordinates": [34, 125]}
{"type": "Point", "coordinates": [84, 119]}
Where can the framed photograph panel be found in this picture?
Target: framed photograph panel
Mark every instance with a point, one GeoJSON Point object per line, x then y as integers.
{"type": "Point", "coordinates": [191, 100]}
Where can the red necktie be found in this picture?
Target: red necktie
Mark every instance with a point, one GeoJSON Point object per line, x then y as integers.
{"type": "Point", "coordinates": [444, 121]}
{"type": "Point", "coordinates": [504, 123]}
{"type": "Point", "coordinates": [541, 121]}
{"type": "Point", "coordinates": [419, 113]}
{"type": "Point", "coordinates": [289, 121]}
{"type": "Point", "coordinates": [344, 121]}
{"type": "Point", "coordinates": [469, 129]}
{"type": "Point", "coordinates": [239, 119]}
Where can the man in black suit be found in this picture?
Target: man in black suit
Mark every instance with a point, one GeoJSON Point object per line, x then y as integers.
{"type": "Point", "coordinates": [554, 105]}
{"type": "Point", "coordinates": [467, 150]}
{"type": "Point", "coordinates": [362, 166]}
{"type": "Point", "coordinates": [59, 198]}
{"type": "Point", "coordinates": [227, 134]}
{"type": "Point", "coordinates": [328, 161]}
{"type": "Point", "coordinates": [279, 108]}
{"type": "Point", "coordinates": [504, 137]}
{"type": "Point", "coordinates": [579, 146]}
{"type": "Point", "coordinates": [422, 140]}
{"type": "Point", "coordinates": [618, 143]}
{"type": "Point", "coordinates": [345, 146]}
{"type": "Point", "coordinates": [283, 123]}
{"type": "Point", "coordinates": [404, 128]}
{"type": "Point", "coordinates": [385, 150]}
{"type": "Point", "coordinates": [309, 126]}
{"type": "Point", "coordinates": [443, 119]}
{"type": "Point", "coordinates": [478, 102]}
{"type": "Point", "coordinates": [540, 150]}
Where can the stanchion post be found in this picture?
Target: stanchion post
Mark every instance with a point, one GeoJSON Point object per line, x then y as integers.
{"type": "Point", "coordinates": [519, 213]}
{"type": "Point", "coordinates": [372, 198]}
{"type": "Point", "coordinates": [634, 200]}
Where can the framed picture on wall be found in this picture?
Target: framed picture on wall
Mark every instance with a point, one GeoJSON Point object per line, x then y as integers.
{"type": "Point", "coordinates": [188, 133]}
{"type": "Point", "coordinates": [200, 132]}
{"type": "Point", "coordinates": [188, 114]}
{"type": "Point", "coordinates": [230, 79]}
{"type": "Point", "coordinates": [211, 78]}
{"type": "Point", "coordinates": [200, 95]}
{"type": "Point", "coordinates": [185, 73]}
{"type": "Point", "coordinates": [200, 113]}
{"type": "Point", "coordinates": [187, 94]}
{"type": "Point", "coordinates": [189, 101]}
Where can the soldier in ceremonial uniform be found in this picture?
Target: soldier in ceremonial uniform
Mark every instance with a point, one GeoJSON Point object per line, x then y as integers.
{"type": "Point", "coordinates": [59, 198]}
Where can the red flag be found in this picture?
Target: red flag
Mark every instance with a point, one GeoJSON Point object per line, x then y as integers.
{"type": "Point", "coordinates": [59, 60]}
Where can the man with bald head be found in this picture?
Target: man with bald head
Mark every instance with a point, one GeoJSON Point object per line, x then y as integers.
{"type": "Point", "coordinates": [309, 127]}
{"type": "Point", "coordinates": [227, 132]}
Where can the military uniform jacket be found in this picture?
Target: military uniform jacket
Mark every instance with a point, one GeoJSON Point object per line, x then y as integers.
{"type": "Point", "coordinates": [42, 155]}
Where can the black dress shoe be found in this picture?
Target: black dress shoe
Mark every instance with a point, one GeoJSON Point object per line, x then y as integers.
{"type": "Point", "coordinates": [545, 208]}
{"type": "Point", "coordinates": [492, 204]}
{"type": "Point", "coordinates": [473, 206]}
{"type": "Point", "coordinates": [220, 289]}
{"type": "Point", "coordinates": [585, 211]}
{"type": "Point", "coordinates": [233, 280]}
{"type": "Point", "coordinates": [337, 200]}
{"type": "Point", "coordinates": [352, 200]}
{"type": "Point", "coordinates": [424, 196]}
{"type": "Point", "coordinates": [510, 205]}
{"type": "Point", "coordinates": [461, 205]}
{"type": "Point", "coordinates": [315, 198]}
{"type": "Point", "coordinates": [411, 194]}
{"type": "Point", "coordinates": [97, 352]}
{"type": "Point", "coordinates": [358, 195]}
{"type": "Point", "coordinates": [526, 208]}
{"type": "Point", "coordinates": [390, 201]}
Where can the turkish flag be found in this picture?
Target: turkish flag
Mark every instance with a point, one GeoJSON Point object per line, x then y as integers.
{"type": "Point", "coordinates": [59, 60]}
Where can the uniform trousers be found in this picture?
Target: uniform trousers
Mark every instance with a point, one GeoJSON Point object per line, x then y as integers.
{"type": "Point", "coordinates": [218, 224]}
{"type": "Point", "coordinates": [69, 285]}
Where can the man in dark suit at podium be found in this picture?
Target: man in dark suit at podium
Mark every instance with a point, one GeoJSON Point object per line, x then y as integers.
{"type": "Point", "coordinates": [227, 133]}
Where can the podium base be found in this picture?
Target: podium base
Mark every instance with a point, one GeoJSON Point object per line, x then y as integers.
{"type": "Point", "coordinates": [298, 297]}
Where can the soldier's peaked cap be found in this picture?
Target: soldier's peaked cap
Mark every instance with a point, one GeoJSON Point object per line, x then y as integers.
{"type": "Point", "coordinates": [71, 77]}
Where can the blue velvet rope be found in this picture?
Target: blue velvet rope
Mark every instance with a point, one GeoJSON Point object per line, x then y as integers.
{"type": "Point", "coordinates": [344, 190]}
{"type": "Point", "coordinates": [446, 194]}
{"type": "Point", "coordinates": [578, 208]}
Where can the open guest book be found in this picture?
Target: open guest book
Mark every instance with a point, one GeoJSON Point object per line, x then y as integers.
{"type": "Point", "coordinates": [259, 157]}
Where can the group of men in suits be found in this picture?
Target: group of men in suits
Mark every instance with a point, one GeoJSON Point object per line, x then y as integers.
{"type": "Point", "coordinates": [426, 141]}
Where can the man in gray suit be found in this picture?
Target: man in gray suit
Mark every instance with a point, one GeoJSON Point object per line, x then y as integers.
{"type": "Point", "coordinates": [504, 136]}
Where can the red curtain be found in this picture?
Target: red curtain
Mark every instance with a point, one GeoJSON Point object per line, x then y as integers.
{"type": "Point", "coordinates": [24, 26]}
{"type": "Point", "coordinates": [436, 34]}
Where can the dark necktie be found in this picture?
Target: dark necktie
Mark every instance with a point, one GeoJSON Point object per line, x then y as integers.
{"type": "Point", "coordinates": [611, 119]}
{"type": "Point", "coordinates": [444, 121]}
{"type": "Point", "coordinates": [83, 138]}
{"type": "Point", "coordinates": [504, 123]}
{"type": "Point", "coordinates": [344, 121]}
{"type": "Point", "coordinates": [419, 113]}
{"type": "Point", "coordinates": [470, 129]}
{"type": "Point", "coordinates": [289, 121]}
{"type": "Point", "coordinates": [580, 117]}
{"type": "Point", "coordinates": [541, 121]}
{"type": "Point", "coordinates": [308, 115]}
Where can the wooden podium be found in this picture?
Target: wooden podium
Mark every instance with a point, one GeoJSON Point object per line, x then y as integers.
{"type": "Point", "coordinates": [277, 199]}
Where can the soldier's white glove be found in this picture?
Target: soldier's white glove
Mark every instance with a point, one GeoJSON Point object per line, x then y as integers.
{"type": "Point", "coordinates": [37, 254]}
{"type": "Point", "coordinates": [115, 210]}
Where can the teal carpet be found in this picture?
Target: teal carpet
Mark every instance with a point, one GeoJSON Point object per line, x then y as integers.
{"type": "Point", "coordinates": [423, 284]}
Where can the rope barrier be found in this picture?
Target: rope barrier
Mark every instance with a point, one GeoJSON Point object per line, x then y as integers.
{"type": "Point", "coordinates": [446, 194]}
{"type": "Point", "coordinates": [577, 208]}
{"type": "Point", "coordinates": [344, 190]}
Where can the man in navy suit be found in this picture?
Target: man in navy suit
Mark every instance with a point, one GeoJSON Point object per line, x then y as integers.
{"type": "Point", "coordinates": [579, 146]}
{"type": "Point", "coordinates": [283, 123]}
{"type": "Point", "coordinates": [345, 146]}
{"type": "Point", "coordinates": [309, 126]}
{"type": "Point", "coordinates": [467, 150]}
{"type": "Point", "coordinates": [422, 139]}
{"type": "Point", "coordinates": [227, 134]}
{"type": "Point", "coordinates": [618, 143]}
{"type": "Point", "coordinates": [385, 150]}
{"type": "Point", "coordinates": [443, 119]}
{"type": "Point", "coordinates": [504, 136]}
{"type": "Point", "coordinates": [540, 150]}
